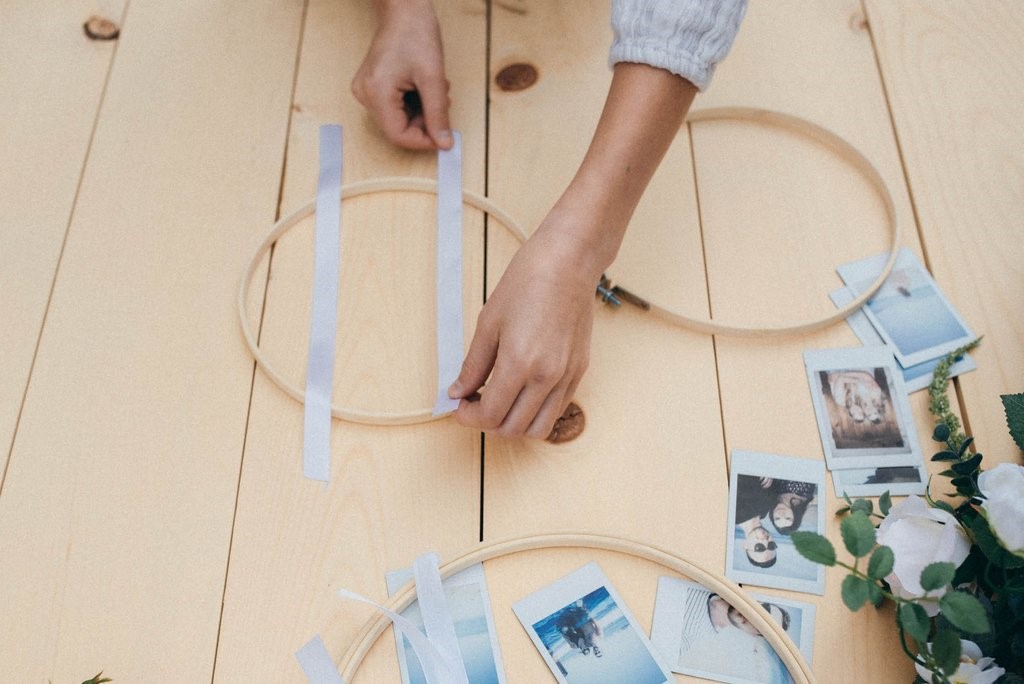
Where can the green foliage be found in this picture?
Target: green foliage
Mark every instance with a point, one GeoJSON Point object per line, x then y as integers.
{"type": "Point", "coordinates": [1013, 405]}
{"type": "Point", "coordinates": [938, 401]}
{"type": "Point", "coordinates": [98, 678]}
{"type": "Point", "coordinates": [990, 546]}
{"type": "Point", "coordinates": [855, 592]}
{"type": "Point", "coordinates": [946, 650]}
{"type": "Point", "coordinates": [965, 612]}
{"type": "Point", "coordinates": [881, 563]}
{"type": "Point", "coordinates": [937, 575]}
{"type": "Point", "coordinates": [915, 621]}
{"type": "Point", "coordinates": [858, 533]}
{"type": "Point", "coordinates": [814, 547]}
{"type": "Point", "coordinates": [885, 503]}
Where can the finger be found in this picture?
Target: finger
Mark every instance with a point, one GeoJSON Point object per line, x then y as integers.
{"type": "Point", "coordinates": [496, 400]}
{"type": "Point", "coordinates": [434, 97]}
{"type": "Point", "coordinates": [523, 412]}
{"type": "Point", "coordinates": [389, 113]}
{"type": "Point", "coordinates": [548, 413]}
{"type": "Point", "coordinates": [479, 361]}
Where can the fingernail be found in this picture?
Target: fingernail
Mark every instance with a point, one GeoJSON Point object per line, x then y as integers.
{"type": "Point", "coordinates": [444, 137]}
{"type": "Point", "coordinates": [455, 391]}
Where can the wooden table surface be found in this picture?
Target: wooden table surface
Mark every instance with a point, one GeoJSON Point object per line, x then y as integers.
{"type": "Point", "coordinates": [154, 522]}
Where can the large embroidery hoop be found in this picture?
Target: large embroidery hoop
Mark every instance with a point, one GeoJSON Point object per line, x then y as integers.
{"type": "Point", "coordinates": [813, 131]}
{"type": "Point", "coordinates": [751, 609]}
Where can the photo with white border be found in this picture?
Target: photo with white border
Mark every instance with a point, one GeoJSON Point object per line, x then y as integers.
{"type": "Point", "coordinates": [770, 497]}
{"type": "Point", "coordinates": [585, 633]}
{"type": "Point", "coordinates": [909, 311]}
{"type": "Point", "coordinates": [470, 607]}
{"type": "Point", "coordinates": [916, 377]}
{"type": "Point", "coordinates": [702, 635]}
{"type": "Point", "coordinates": [861, 405]}
{"type": "Point", "coordinates": [898, 481]}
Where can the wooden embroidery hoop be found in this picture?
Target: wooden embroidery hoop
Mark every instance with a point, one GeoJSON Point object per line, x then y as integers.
{"type": "Point", "coordinates": [811, 130]}
{"type": "Point", "coordinates": [751, 609]}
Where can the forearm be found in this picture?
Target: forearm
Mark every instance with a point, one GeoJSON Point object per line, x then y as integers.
{"type": "Point", "coordinates": [643, 112]}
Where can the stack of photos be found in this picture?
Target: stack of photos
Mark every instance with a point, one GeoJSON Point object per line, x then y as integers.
{"type": "Point", "coordinates": [909, 313]}
{"type": "Point", "coordinates": [470, 607]}
{"type": "Point", "coordinates": [770, 497]}
{"type": "Point", "coordinates": [700, 634]}
{"type": "Point", "coordinates": [864, 420]}
{"type": "Point", "coordinates": [585, 633]}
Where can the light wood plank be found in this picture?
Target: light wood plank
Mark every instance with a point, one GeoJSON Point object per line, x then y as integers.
{"type": "Point", "coordinates": [396, 492]}
{"type": "Point", "coordinates": [650, 397]}
{"type": "Point", "coordinates": [116, 514]}
{"type": "Point", "coordinates": [52, 78]}
{"type": "Point", "coordinates": [952, 72]}
{"type": "Point", "coordinates": [779, 214]}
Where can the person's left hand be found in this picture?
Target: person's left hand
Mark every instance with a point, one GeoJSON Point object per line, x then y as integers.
{"type": "Point", "coordinates": [534, 334]}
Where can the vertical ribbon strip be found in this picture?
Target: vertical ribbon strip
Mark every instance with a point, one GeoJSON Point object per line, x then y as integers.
{"type": "Point", "coordinates": [316, 452]}
{"type": "Point", "coordinates": [450, 343]}
{"type": "Point", "coordinates": [437, 619]}
{"type": "Point", "coordinates": [317, 664]}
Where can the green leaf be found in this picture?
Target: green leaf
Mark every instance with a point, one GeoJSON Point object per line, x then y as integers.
{"type": "Point", "coordinates": [885, 503]}
{"type": "Point", "coordinates": [1013, 405]}
{"type": "Point", "coordinates": [964, 446]}
{"type": "Point", "coordinates": [942, 506]}
{"type": "Point", "coordinates": [855, 592]}
{"type": "Point", "coordinates": [98, 679]}
{"type": "Point", "coordinates": [941, 432]}
{"type": "Point", "coordinates": [844, 509]}
{"type": "Point", "coordinates": [881, 562]}
{"type": "Point", "coordinates": [965, 612]}
{"type": "Point", "coordinates": [946, 651]}
{"type": "Point", "coordinates": [967, 467]}
{"type": "Point", "coordinates": [863, 505]}
{"type": "Point", "coordinates": [858, 534]}
{"type": "Point", "coordinates": [990, 546]}
{"type": "Point", "coordinates": [937, 575]}
{"type": "Point", "coordinates": [945, 455]}
{"type": "Point", "coordinates": [915, 621]}
{"type": "Point", "coordinates": [814, 547]}
{"type": "Point", "coordinates": [875, 595]}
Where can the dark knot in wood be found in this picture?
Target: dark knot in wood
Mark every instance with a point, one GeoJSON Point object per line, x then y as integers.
{"type": "Point", "coordinates": [99, 28]}
{"type": "Point", "coordinates": [517, 76]}
{"type": "Point", "coordinates": [569, 425]}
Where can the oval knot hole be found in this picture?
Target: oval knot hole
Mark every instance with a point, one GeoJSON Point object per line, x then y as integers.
{"type": "Point", "coordinates": [517, 76]}
{"type": "Point", "coordinates": [99, 28]}
{"type": "Point", "coordinates": [569, 425]}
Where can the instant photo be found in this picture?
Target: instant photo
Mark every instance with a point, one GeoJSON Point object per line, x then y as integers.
{"type": "Point", "coordinates": [898, 481]}
{"type": "Point", "coordinates": [470, 607]}
{"type": "Point", "coordinates": [916, 377]}
{"type": "Point", "coordinates": [697, 631]}
{"type": "Point", "coordinates": [862, 410]}
{"type": "Point", "coordinates": [908, 311]}
{"type": "Point", "coordinates": [586, 634]}
{"type": "Point", "coordinates": [770, 497]}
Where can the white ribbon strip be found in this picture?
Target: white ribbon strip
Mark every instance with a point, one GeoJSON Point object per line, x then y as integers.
{"type": "Point", "coordinates": [316, 452]}
{"type": "Point", "coordinates": [437, 620]}
{"type": "Point", "coordinates": [436, 670]}
{"type": "Point", "coordinates": [450, 343]}
{"type": "Point", "coordinates": [317, 664]}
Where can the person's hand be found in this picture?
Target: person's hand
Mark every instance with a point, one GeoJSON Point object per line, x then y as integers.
{"type": "Point", "coordinates": [401, 81]}
{"type": "Point", "coordinates": [534, 334]}
{"type": "Point", "coordinates": [766, 482]}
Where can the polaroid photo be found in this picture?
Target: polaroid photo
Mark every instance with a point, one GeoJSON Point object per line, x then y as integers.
{"type": "Point", "coordinates": [702, 635]}
{"type": "Point", "coordinates": [916, 377]}
{"type": "Point", "coordinates": [585, 633]}
{"type": "Point", "coordinates": [898, 481]}
{"type": "Point", "coordinates": [470, 608]}
{"type": "Point", "coordinates": [864, 417]}
{"type": "Point", "coordinates": [909, 311]}
{"type": "Point", "coordinates": [770, 497]}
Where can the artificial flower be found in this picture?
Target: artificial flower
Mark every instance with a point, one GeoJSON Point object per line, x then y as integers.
{"type": "Point", "coordinates": [1003, 506]}
{"type": "Point", "coordinates": [974, 668]}
{"type": "Point", "coordinates": [918, 536]}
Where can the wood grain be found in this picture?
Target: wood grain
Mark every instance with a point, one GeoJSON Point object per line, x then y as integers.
{"type": "Point", "coordinates": [396, 492]}
{"type": "Point", "coordinates": [52, 77]}
{"type": "Point", "coordinates": [117, 510]}
{"type": "Point", "coordinates": [952, 74]}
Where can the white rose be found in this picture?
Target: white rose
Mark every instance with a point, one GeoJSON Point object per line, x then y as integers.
{"type": "Point", "coordinates": [1003, 488]}
{"type": "Point", "coordinates": [974, 669]}
{"type": "Point", "coordinates": [920, 535]}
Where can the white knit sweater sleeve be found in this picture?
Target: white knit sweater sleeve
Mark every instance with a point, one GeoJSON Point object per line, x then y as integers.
{"type": "Point", "coordinates": [687, 37]}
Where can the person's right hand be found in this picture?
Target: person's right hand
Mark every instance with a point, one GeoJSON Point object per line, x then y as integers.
{"type": "Point", "coordinates": [405, 56]}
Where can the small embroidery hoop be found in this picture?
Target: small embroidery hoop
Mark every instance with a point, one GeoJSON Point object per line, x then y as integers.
{"type": "Point", "coordinates": [750, 608]}
{"type": "Point", "coordinates": [811, 130]}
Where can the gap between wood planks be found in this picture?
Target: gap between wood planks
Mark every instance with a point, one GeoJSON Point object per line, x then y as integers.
{"type": "Point", "coordinates": [259, 334]}
{"type": "Point", "coordinates": [867, 26]}
{"type": "Point", "coordinates": [60, 253]}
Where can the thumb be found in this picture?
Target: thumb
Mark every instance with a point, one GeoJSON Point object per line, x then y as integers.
{"type": "Point", "coordinates": [434, 94]}
{"type": "Point", "coordinates": [478, 363]}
